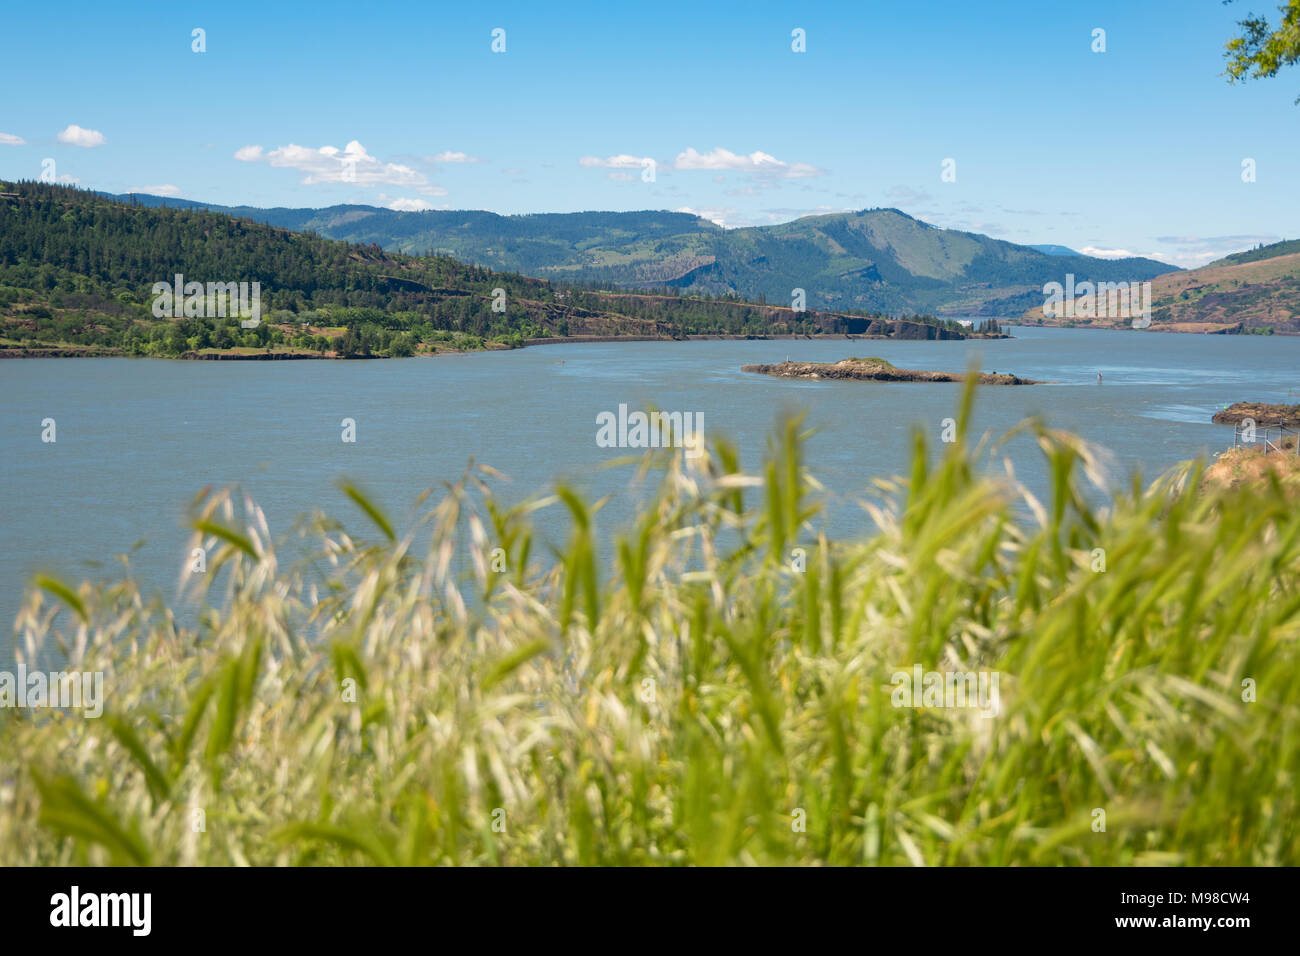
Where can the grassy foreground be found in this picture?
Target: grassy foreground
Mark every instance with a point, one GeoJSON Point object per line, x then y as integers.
{"type": "Point", "coordinates": [711, 704]}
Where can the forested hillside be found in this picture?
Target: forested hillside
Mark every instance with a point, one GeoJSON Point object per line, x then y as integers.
{"type": "Point", "coordinates": [879, 260]}
{"type": "Point", "coordinates": [78, 269]}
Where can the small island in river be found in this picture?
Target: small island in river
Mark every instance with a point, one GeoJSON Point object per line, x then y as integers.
{"type": "Point", "coordinates": [875, 370]}
{"type": "Point", "coordinates": [1260, 413]}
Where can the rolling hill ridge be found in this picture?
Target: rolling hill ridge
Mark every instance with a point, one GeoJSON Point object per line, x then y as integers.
{"type": "Point", "coordinates": [878, 260]}
{"type": "Point", "coordinates": [79, 270]}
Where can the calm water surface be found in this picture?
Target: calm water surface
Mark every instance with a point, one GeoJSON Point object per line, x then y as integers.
{"type": "Point", "coordinates": [137, 438]}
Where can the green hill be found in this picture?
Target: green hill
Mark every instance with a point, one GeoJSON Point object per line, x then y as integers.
{"type": "Point", "coordinates": [77, 271]}
{"type": "Point", "coordinates": [879, 260]}
{"type": "Point", "coordinates": [1286, 247]}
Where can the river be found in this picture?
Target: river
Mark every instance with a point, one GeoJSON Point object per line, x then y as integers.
{"type": "Point", "coordinates": [137, 438]}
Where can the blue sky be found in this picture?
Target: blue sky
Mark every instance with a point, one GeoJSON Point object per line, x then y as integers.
{"type": "Point", "coordinates": [1135, 150]}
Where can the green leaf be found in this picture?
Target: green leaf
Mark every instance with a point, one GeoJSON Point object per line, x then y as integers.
{"type": "Point", "coordinates": [63, 593]}
{"type": "Point", "coordinates": [369, 508]}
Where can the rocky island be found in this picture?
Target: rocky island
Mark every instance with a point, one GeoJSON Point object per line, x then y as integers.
{"type": "Point", "coordinates": [1260, 413]}
{"type": "Point", "coordinates": [875, 370]}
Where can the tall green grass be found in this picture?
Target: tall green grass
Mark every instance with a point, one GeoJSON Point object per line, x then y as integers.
{"type": "Point", "coordinates": [704, 702]}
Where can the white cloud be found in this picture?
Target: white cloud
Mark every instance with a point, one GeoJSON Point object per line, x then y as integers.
{"type": "Point", "coordinates": [1191, 252]}
{"type": "Point", "coordinates": [451, 156]}
{"type": "Point", "coordinates": [717, 215]}
{"type": "Point", "coordinates": [723, 159]}
{"type": "Point", "coordinates": [757, 162]}
{"type": "Point", "coordinates": [329, 164]}
{"type": "Point", "coordinates": [1108, 253]}
{"type": "Point", "coordinates": [621, 161]}
{"type": "Point", "coordinates": [1184, 258]}
{"type": "Point", "coordinates": [9, 139]}
{"type": "Point", "coordinates": [156, 190]}
{"type": "Point", "coordinates": [76, 136]}
{"type": "Point", "coordinates": [407, 205]}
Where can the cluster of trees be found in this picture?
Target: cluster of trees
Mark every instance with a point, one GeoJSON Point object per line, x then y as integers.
{"type": "Point", "coordinates": [76, 267]}
{"type": "Point", "coordinates": [1284, 248]}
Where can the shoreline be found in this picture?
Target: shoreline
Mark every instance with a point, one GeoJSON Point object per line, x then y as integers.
{"type": "Point", "coordinates": [746, 337]}
{"type": "Point", "coordinates": [22, 352]}
{"type": "Point", "coordinates": [1237, 329]}
{"type": "Point", "coordinates": [92, 352]}
{"type": "Point", "coordinates": [1262, 414]}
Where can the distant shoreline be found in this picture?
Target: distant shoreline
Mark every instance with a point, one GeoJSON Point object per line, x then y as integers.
{"type": "Point", "coordinates": [1170, 328]}
{"type": "Point", "coordinates": [91, 352]}
{"type": "Point", "coordinates": [755, 337]}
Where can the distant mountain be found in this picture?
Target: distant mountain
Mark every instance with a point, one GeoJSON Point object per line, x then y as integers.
{"type": "Point", "coordinates": [1253, 291]}
{"type": "Point", "coordinates": [1052, 250]}
{"type": "Point", "coordinates": [879, 260]}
